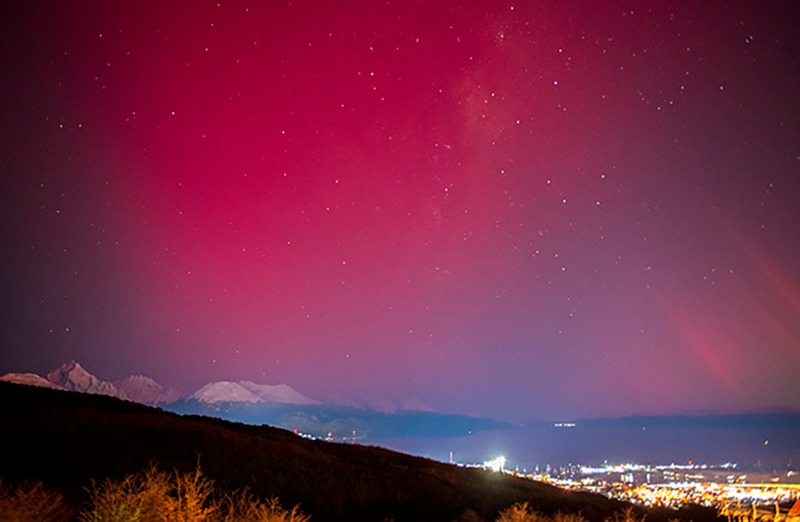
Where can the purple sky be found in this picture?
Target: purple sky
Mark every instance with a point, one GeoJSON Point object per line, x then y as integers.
{"type": "Point", "coordinates": [519, 210]}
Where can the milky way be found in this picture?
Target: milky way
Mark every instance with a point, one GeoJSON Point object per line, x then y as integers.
{"type": "Point", "coordinates": [519, 210]}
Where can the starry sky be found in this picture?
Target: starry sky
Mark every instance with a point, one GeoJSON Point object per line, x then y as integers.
{"type": "Point", "coordinates": [523, 210]}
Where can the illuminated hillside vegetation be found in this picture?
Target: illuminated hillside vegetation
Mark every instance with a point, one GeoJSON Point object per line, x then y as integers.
{"type": "Point", "coordinates": [71, 446]}
{"type": "Point", "coordinates": [190, 497]}
{"type": "Point", "coordinates": [143, 497]}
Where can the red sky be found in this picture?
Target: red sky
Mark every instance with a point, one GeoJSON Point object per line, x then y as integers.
{"type": "Point", "coordinates": [519, 210]}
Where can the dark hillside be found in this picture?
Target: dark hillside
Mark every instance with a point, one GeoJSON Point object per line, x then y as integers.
{"type": "Point", "coordinates": [69, 439]}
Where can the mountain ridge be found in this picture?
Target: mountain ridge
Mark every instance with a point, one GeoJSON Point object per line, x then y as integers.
{"type": "Point", "coordinates": [247, 391]}
{"type": "Point", "coordinates": [281, 405]}
{"type": "Point", "coordinates": [145, 390]}
{"type": "Point", "coordinates": [72, 376]}
{"type": "Point", "coordinates": [277, 405]}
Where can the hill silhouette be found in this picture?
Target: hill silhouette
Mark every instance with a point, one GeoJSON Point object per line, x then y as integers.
{"type": "Point", "coordinates": [68, 440]}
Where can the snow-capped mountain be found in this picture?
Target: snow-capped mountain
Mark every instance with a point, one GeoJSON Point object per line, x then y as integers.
{"type": "Point", "coordinates": [281, 393]}
{"type": "Point", "coordinates": [73, 377]}
{"type": "Point", "coordinates": [143, 389]}
{"type": "Point", "coordinates": [30, 379]}
{"type": "Point", "coordinates": [277, 405]}
{"type": "Point", "coordinates": [140, 388]}
{"type": "Point", "coordinates": [249, 392]}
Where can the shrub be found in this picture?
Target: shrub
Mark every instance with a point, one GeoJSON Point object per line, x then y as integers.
{"type": "Point", "coordinates": [156, 496]}
{"type": "Point", "coordinates": [135, 498]}
{"type": "Point", "coordinates": [470, 515]}
{"type": "Point", "coordinates": [189, 499]}
{"type": "Point", "coordinates": [520, 512]}
{"type": "Point", "coordinates": [241, 506]}
{"type": "Point", "coordinates": [33, 503]}
{"type": "Point", "coordinates": [568, 517]}
{"type": "Point", "coordinates": [627, 515]}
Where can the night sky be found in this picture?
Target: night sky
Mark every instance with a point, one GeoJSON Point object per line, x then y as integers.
{"type": "Point", "coordinates": [525, 210]}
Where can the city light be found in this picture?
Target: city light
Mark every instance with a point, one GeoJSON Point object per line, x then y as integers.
{"type": "Point", "coordinates": [496, 464]}
{"type": "Point", "coordinates": [720, 487]}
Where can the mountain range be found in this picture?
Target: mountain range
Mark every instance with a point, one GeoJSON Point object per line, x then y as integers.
{"type": "Point", "coordinates": [72, 376]}
{"type": "Point", "coordinates": [276, 405]}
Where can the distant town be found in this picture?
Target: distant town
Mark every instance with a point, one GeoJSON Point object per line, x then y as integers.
{"type": "Point", "coordinates": [744, 493]}
{"type": "Point", "coordinates": [724, 487]}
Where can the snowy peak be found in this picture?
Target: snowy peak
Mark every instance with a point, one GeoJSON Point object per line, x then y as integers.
{"type": "Point", "coordinates": [249, 392]}
{"type": "Point", "coordinates": [224, 391]}
{"type": "Point", "coordinates": [73, 377]}
{"type": "Point", "coordinates": [143, 389]}
{"type": "Point", "coordinates": [30, 379]}
{"type": "Point", "coordinates": [140, 388]}
{"type": "Point", "coordinates": [281, 393]}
